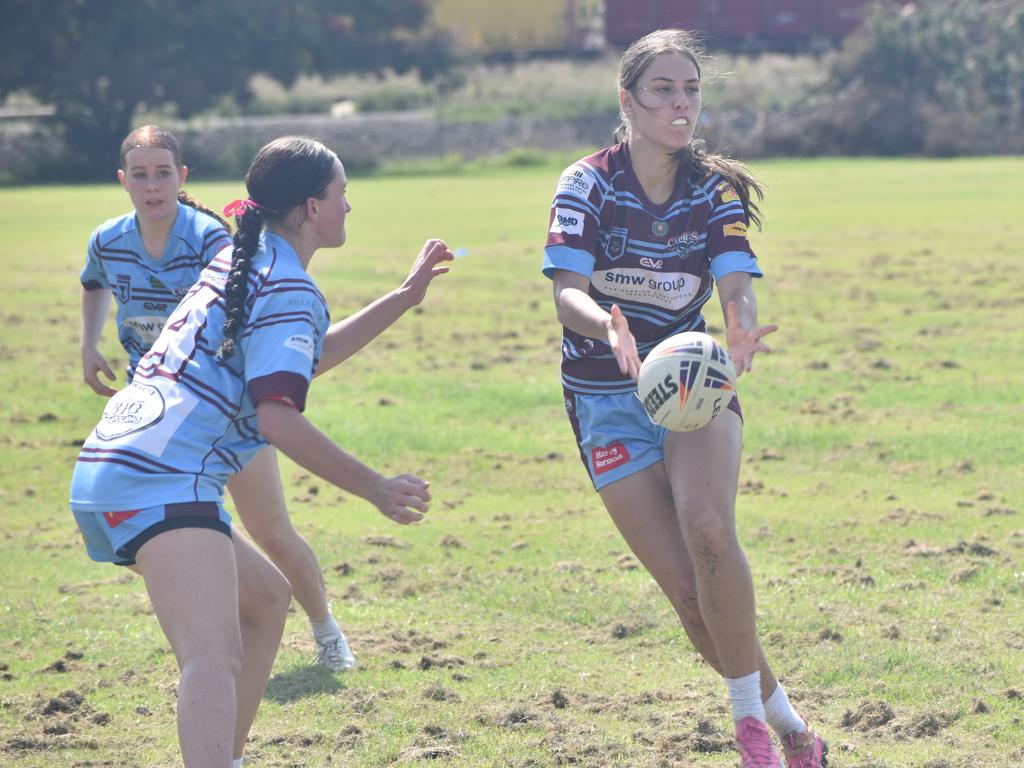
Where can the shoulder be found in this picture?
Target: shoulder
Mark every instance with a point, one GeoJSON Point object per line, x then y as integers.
{"type": "Point", "coordinates": [114, 228]}
{"type": "Point", "coordinates": [592, 172]}
{"type": "Point", "coordinates": [202, 224]}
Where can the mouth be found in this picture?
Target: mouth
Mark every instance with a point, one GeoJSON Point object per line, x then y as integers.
{"type": "Point", "coordinates": [680, 121]}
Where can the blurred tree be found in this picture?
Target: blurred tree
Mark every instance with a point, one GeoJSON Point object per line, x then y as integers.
{"type": "Point", "coordinates": [937, 77]}
{"type": "Point", "coordinates": [97, 61]}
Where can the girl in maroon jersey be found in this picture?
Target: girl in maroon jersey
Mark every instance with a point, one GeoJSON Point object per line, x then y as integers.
{"type": "Point", "coordinates": [639, 234]}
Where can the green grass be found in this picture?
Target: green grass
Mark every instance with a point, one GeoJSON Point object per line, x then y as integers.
{"type": "Point", "coordinates": [880, 505]}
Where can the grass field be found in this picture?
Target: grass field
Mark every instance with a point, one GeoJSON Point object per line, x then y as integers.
{"type": "Point", "coordinates": [881, 506]}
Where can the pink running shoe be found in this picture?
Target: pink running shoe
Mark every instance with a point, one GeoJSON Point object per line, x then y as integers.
{"type": "Point", "coordinates": [805, 749]}
{"type": "Point", "coordinates": [754, 743]}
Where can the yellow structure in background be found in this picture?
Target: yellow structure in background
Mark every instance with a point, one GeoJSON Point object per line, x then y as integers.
{"type": "Point", "coordinates": [493, 27]}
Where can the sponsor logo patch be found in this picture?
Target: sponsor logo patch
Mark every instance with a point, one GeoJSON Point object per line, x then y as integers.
{"type": "Point", "coordinates": [567, 221]}
{"type": "Point", "coordinates": [647, 261]}
{"type": "Point", "coordinates": [134, 408]}
{"type": "Point", "coordinates": [302, 344]}
{"type": "Point", "coordinates": [147, 327]}
{"type": "Point", "coordinates": [114, 519]}
{"type": "Point", "coordinates": [727, 192]}
{"type": "Point", "coordinates": [669, 290]}
{"type": "Point", "coordinates": [608, 457]}
{"type": "Point", "coordinates": [575, 181]}
{"type": "Point", "coordinates": [736, 229]}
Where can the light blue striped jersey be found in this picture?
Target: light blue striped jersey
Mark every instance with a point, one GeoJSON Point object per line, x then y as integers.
{"type": "Point", "coordinates": [657, 262]}
{"type": "Point", "coordinates": [146, 289]}
{"type": "Point", "coordinates": [187, 422]}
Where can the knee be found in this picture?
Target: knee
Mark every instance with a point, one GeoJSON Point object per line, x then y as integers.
{"type": "Point", "coordinates": [266, 599]}
{"type": "Point", "coordinates": [275, 540]}
{"type": "Point", "coordinates": [214, 658]}
{"type": "Point", "coordinates": [709, 531]}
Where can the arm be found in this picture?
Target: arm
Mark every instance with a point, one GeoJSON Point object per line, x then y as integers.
{"type": "Point", "coordinates": [739, 307]}
{"type": "Point", "coordinates": [95, 306]}
{"type": "Point", "coordinates": [348, 336]}
{"type": "Point", "coordinates": [404, 498]}
{"type": "Point", "coordinates": [578, 312]}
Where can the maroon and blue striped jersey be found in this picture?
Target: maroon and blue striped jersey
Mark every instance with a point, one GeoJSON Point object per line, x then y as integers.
{"type": "Point", "coordinates": [658, 262]}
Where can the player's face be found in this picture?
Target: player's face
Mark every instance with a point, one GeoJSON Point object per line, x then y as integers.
{"type": "Point", "coordinates": [152, 180]}
{"type": "Point", "coordinates": [664, 104]}
{"type": "Point", "coordinates": [333, 209]}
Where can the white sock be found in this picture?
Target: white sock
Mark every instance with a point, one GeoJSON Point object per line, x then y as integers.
{"type": "Point", "coordinates": [745, 695]}
{"type": "Point", "coordinates": [237, 762]}
{"type": "Point", "coordinates": [326, 629]}
{"type": "Point", "coordinates": [780, 715]}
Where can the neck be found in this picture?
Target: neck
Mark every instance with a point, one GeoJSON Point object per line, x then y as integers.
{"type": "Point", "coordinates": [156, 228]}
{"type": "Point", "coordinates": [298, 240]}
{"type": "Point", "coordinates": [655, 167]}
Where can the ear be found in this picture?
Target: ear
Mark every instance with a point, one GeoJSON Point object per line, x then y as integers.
{"type": "Point", "coordinates": [121, 177]}
{"type": "Point", "coordinates": [626, 102]}
{"type": "Point", "coordinates": [182, 175]}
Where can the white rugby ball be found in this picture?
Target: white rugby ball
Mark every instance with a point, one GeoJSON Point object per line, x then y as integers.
{"type": "Point", "coordinates": [686, 381]}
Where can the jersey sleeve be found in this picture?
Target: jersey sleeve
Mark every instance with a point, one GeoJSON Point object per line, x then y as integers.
{"type": "Point", "coordinates": [573, 222]}
{"type": "Point", "coordinates": [93, 276]}
{"type": "Point", "coordinates": [728, 249]}
{"type": "Point", "coordinates": [281, 342]}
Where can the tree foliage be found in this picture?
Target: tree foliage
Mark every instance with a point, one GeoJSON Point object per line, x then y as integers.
{"type": "Point", "coordinates": [98, 61]}
{"type": "Point", "coordinates": [935, 77]}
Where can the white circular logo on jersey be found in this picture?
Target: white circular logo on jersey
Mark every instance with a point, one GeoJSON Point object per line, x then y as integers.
{"type": "Point", "coordinates": [135, 407]}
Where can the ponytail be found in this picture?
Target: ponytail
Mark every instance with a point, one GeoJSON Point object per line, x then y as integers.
{"type": "Point", "coordinates": [700, 164]}
{"type": "Point", "coordinates": [236, 290]}
{"type": "Point", "coordinates": [191, 202]}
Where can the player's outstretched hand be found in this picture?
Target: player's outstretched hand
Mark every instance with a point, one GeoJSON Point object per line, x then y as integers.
{"type": "Point", "coordinates": [744, 343]}
{"type": "Point", "coordinates": [426, 267]}
{"type": "Point", "coordinates": [404, 499]}
{"type": "Point", "coordinates": [93, 363]}
{"type": "Point", "coordinates": [623, 345]}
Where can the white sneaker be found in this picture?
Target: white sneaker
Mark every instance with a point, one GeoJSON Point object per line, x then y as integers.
{"type": "Point", "coordinates": [335, 654]}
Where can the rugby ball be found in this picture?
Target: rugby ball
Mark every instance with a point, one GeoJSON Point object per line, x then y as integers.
{"type": "Point", "coordinates": [686, 381]}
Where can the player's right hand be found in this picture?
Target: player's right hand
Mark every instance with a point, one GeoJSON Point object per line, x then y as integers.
{"type": "Point", "coordinates": [623, 345]}
{"type": "Point", "coordinates": [404, 499]}
{"type": "Point", "coordinates": [93, 363]}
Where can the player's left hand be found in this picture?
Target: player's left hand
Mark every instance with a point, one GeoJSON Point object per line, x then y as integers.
{"type": "Point", "coordinates": [426, 267]}
{"type": "Point", "coordinates": [744, 343]}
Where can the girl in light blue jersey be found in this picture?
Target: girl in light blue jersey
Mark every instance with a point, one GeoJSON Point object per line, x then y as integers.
{"type": "Point", "coordinates": [640, 233]}
{"type": "Point", "coordinates": [229, 374]}
{"type": "Point", "coordinates": [147, 260]}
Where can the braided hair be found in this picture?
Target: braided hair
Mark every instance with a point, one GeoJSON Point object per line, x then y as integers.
{"type": "Point", "coordinates": [695, 158]}
{"type": "Point", "coordinates": [284, 174]}
{"type": "Point", "coordinates": [155, 137]}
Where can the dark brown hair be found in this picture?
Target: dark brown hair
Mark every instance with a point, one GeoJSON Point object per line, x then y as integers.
{"type": "Point", "coordinates": [283, 175]}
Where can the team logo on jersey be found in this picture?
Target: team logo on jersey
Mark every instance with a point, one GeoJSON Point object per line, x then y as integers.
{"type": "Point", "coordinates": [567, 221]}
{"type": "Point", "coordinates": [727, 192]}
{"type": "Point", "coordinates": [682, 243]}
{"type": "Point", "coordinates": [156, 282]}
{"type": "Point", "coordinates": [736, 229]}
{"type": "Point", "coordinates": [659, 228]}
{"type": "Point", "coordinates": [616, 245]}
{"type": "Point", "coordinates": [124, 288]}
{"type": "Point", "coordinates": [302, 344]}
{"type": "Point", "coordinates": [575, 181]}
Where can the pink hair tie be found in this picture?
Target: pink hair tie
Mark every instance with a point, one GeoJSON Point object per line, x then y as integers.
{"type": "Point", "coordinates": [239, 207]}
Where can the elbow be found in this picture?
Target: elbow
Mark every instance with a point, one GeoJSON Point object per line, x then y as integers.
{"type": "Point", "coordinates": [271, 419]}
